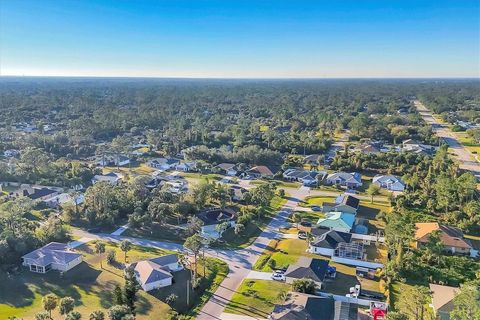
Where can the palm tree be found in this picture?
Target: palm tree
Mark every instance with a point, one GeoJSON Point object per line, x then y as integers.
{"type": "Point", "coordinates": [100, 250]}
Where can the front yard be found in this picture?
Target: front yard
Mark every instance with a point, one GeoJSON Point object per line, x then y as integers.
{"type": "Point", "coordinates": [288, 251]}
{"type": "Point", "coordinates": [256, 298]}
{"type": "Point", "coordinates": [92, 286]}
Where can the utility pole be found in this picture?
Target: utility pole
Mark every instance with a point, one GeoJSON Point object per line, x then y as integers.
{"type": "Point", "coordinates": [188, 292]}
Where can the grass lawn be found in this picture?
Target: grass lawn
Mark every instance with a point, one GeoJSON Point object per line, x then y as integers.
{"type": "Point", "coordinates": [134, 169]}
{"type": "Point", "coordinates": [312, 216]}
{"type": "Point", "coordinates": [256, 298]}
{"type": "Point", "coordinates": [92, 286]}
{"type": "Point", "coordinates": [288, 251]}
{"type": "Point", "coordinates": [158, 232]}
{"type": "Point", "coordinates": [316, 201]}
{"type": "Point", "coordinates": [284, 252]}
{"type": "Point", "coordinates": [252, 230]}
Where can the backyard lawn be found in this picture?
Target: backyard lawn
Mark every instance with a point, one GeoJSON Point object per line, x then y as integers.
{"type": "Point", "coordinates": [91, 286]}
{"type": "Point", "coordinates": [256, 298]}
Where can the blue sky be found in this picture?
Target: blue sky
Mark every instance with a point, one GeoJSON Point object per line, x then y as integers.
{"type": "Point", "coordinates": [261, 39]}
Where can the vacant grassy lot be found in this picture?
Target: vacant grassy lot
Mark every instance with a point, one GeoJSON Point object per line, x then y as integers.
{"type": "Point", "coordinates": [284, 252]}
{"type": "Point", "coordinates": [91, 286]}
{"type": "Point", "coordinates": [256, 298]}
{"type": "Point", "coordinates": [316, 201]}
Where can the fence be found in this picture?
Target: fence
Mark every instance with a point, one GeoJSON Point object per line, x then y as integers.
{"type": "Point", "coordinates": [368, 237]}
{"type": "Point", "coordinates": [358, 263]}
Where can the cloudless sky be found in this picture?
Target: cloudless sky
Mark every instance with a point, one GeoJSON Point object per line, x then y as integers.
{"type": "Point", "coordinates": [227, 38]}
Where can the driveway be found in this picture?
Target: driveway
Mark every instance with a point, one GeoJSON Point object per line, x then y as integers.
{"type": "Point", "coordinates": [240, 261]}
{"type": "Point", "coordinates": [463, 155]}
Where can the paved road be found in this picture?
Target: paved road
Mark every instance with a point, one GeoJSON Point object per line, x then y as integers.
{"type": "Point", "coordinates": [464, 156]}
{"type": "Point", "coordinates": [213, 309]}
{"type": "Point", "coordinates": [240, 262]}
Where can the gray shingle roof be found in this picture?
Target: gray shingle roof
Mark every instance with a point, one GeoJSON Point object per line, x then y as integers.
{"type": "Point", "coordinates": [314, 269]}
{"type": "Point", "coordinates": [54, 252]}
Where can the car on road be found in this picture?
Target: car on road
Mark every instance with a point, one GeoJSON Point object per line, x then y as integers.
{"type": "Point", "coordinates": [278, 275]}
{"type": "Point", "coordinates": [316, 208]}
{"type": "Point", "coordinates": [302, 235]}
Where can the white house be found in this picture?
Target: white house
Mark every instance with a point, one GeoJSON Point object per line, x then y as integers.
{"type": "Point", "coordinates": [389, 182]}
{"type": "Point", "coordinates": [228, 169]}
{"type": "Point", "coordinates": [349, 180]}
{"type": "Point", "coordinates": [307, 178]}
{"type": "Point", "coordinates": [10, 153]}
{"type": "Point", "coordinates": [55, 255]}
{"type": "Point", "coordinates": [163, 163]}
{"type": "Point", "coordinates": [186, 166]}
{"type": "Point", "coordinates": [112, 178]}
{"type": "Point", "coordinates": [326, 241]}
{"type": "Point", "coordinates": [63, 198]}
{"type": "Point", "coordinates": [113, 160]}
{"type": "Point", "coordinates": [157, 272]}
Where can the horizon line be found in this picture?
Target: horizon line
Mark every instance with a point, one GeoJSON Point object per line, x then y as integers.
{"type": "Point", "coordinates": [243, 78]}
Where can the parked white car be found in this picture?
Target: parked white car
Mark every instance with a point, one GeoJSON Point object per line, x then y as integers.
{"type": "Point", "coordinates": [278, 275]}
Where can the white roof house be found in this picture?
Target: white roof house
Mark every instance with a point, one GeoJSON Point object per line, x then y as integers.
{"type": "Point", "coordinates": [389, 182]}
{"type": "Point", "coordinates": [157, 272]}
{"type": "Point", "coordinates": [55, 255]}
{"type": "Point", "coordinates": [163, 163]}
{"type": "Point", "coordinates": [63, 198]}
{"type": "Point", "coordinates": [112, 178]}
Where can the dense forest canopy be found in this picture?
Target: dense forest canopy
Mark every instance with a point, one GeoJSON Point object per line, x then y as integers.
{"type": "Point", "coordinates": [280, 115]}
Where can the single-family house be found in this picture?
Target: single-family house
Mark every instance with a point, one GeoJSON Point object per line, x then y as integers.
{"type": "Point", "coordinates": [163, 163]}
{"type": "Point", "coordinates": [308, 268]}
{"type": "Point", "coordinates": [367, 148]}
{"type": "Point", "coordinates": [157, 272]}
{"type": "Point", "coordinates": [11, 153]}
{"type": "Point", "coordinates": [343, 203]}
{"type": "Point", "coordinates": [338, 221]}
{"type": "Point", "coordinates": [452, 238]}
{"type": "Point", "coordinates": [414, 146]}
{"type": "Point", "coordinates": [214, 217]}
{"type": "Point", "coordinates": [350, 180]}
{"type": "Point", "coordinates": [55, 255]}
{"type": "Point", "coordinates": [35, 192]}
{"type": "Point", "coordinates": [186, 166]}
{"type": "Point", "coordinates": [389, 182]}
{"type": "Point", "coordinates": [63, 198]}
{"type": "Point", "coordinates": [326, 241]}
{"type": "Point", "coordinates": [442, 300]}
{"type": "Point", "coordinates": [312, 159]}
{"type": "Point", "coordinates": [307, 178]}
{"type": "Point", "coordinates": [301, 306]}
{"type": "Point", "coordinates": [237, 193]}
{"type": "Point", "coordinates": [228, 169]}
{"type": "Point", "coordinates": [113, 160]}
{"type": "Point", "coordinates": [111, 177]}
{"type": "Point", "coordinates": [260, 172]}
